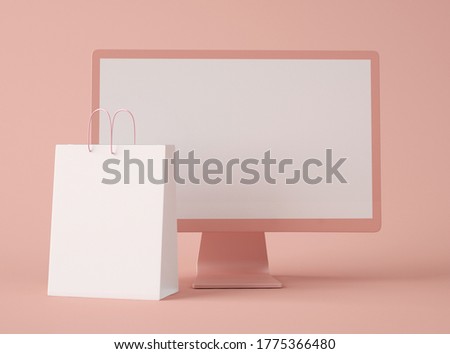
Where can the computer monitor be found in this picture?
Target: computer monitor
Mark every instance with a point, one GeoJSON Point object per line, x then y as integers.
{"type": "Point", "coordinates": [275, 141]}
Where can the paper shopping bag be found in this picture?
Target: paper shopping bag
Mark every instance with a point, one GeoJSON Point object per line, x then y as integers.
{"type": "Point", "coordinates": [113, 233]}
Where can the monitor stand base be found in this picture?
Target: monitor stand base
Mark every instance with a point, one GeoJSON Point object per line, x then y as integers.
{"type": "Point", "coordinates": [233, 260]}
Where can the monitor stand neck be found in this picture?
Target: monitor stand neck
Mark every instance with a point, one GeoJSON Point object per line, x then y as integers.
{"type": "Point", "coordinates": [233, 260]}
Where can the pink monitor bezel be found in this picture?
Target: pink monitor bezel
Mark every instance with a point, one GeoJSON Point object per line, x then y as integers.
{"type": "Point", "coordinates": [268, 225]}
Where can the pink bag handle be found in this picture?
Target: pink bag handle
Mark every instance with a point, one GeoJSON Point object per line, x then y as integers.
{"type": "Point", "coordinates": [90, 128]}
{"type": "Point", "coordinates": [114, 120]}
{"type": "Point", "coordinates": [111, 126]}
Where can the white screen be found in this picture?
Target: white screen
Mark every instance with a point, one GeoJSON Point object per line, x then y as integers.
{"type": "Point", "coordinates": [240, 108]}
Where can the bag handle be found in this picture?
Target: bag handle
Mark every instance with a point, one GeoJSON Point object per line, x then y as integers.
{"type": "Point", "coordinates": [90, 128]}
{"type": "Point", "coordinates": [114, 120]}
{"type": "Point", "coordinates": [111, 126]}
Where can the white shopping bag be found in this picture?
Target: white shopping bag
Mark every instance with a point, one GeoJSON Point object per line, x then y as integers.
{"type": "Point", "coordinates": [113, 240]}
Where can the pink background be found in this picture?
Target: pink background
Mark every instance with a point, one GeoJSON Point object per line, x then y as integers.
{"type": "Point", "coordinates": [397, 280]}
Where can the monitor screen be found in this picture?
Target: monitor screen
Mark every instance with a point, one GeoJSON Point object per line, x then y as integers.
{"type": "Point", "coordinates": [283, 137]}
